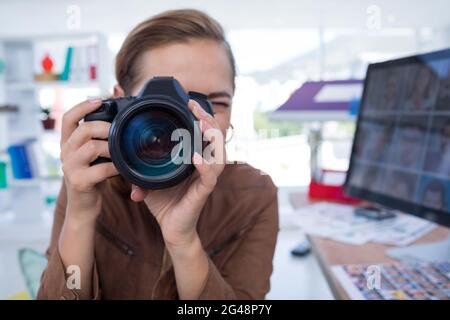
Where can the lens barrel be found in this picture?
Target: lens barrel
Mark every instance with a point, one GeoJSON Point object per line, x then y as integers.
{"type": "Point", "coordinates": [143, 147]}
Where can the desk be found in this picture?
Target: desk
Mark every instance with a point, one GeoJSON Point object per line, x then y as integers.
{"type": "Point", "coordinates": [329, 253]}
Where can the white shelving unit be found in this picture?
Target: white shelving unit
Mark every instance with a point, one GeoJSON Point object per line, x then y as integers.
{"type": "Point", "coordinates": [22, 57]}
{"type": "Point", "coordinates": [22, 60]}
{"type": "Point", "coordinates": [28, 220]}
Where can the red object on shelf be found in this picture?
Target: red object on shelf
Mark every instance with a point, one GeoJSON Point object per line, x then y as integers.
{"type": "Point", "coordinates": [47, 63]}
{"type": "Point", "coordinates": [49, 124]}
{"type": "Point", "coordinates": [318, 190]}
{"type": "Point", "coordinates": [93, 72]}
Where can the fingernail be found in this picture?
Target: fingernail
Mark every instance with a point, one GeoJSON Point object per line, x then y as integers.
{"type": "Point", "coordinates": [201, 111]}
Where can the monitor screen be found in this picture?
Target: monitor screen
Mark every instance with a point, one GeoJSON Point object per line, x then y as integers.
{"type": "Point", "coordinates": [401, 149]}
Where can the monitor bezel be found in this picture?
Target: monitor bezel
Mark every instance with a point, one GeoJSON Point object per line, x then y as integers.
{"type": "Point", "coordinates": [438, 216]}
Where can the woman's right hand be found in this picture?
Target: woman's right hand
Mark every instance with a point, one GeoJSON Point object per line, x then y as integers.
{"type": "Point", "coordinates": [80, 145]}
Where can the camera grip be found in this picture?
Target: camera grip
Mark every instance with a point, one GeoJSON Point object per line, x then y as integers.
{"type": "Point", "coordinates": [106, 112]}
{"type": "Point", "coordinates": [100, 160]}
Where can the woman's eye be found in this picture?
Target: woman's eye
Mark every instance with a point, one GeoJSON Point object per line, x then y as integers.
{"type": "Point", "coordinates": [220, 104]}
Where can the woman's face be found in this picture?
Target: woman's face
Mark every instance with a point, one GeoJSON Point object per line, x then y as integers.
{"type": "Point", "coordinates": [199, 65]}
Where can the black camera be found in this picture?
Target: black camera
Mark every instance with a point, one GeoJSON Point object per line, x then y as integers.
{"type": "Point", "coordinates": [141, 141]}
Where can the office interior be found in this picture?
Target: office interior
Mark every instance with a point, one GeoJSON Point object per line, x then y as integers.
{"type": "Point", "coordinates": [304, 113]}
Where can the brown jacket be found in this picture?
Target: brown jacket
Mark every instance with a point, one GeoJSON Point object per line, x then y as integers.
{"type": "Point", "coordinates": [238, 227]}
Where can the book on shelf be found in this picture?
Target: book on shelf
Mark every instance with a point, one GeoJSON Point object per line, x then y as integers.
{"type": "Point", "coordinates": [19, 161]}
{"type": "Point", "coordinates": [83, 66]}
{"type": "Point", "coordinates": [67, 65]}
{"type": "Point", "coordinates": [27, 160]}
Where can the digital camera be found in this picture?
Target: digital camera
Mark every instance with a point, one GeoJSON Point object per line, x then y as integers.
{"type": "Point", "coordinates": [142, 143]}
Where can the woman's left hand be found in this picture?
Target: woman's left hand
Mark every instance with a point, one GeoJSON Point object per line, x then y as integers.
{"type": "Point", "coordinates": [178, 208]}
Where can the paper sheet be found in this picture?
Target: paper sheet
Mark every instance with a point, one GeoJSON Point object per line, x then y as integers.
{"type": "Point", "coordinates": [338, 222]}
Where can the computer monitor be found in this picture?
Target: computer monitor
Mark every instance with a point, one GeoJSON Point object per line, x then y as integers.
{"type": "Point", "coordinates": [401, 150]}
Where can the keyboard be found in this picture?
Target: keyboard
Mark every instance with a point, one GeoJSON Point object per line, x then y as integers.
{"type": "Point", "coordinates": [396, 281]}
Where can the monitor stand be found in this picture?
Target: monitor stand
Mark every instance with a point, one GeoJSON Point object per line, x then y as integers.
{"type": "Point", "coordinates": [433, 251]}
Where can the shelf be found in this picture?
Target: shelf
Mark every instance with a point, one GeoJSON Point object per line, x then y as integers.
{"type": "Point", "coordinates": [18, 86]}
{"type": "Point", "coordinates": [8, 109]}
{"type": "Point", "coordinates": [24, 86]}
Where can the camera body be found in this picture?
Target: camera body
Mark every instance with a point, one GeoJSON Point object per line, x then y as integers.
{"type": "Point", "coordinates": [141, 135]}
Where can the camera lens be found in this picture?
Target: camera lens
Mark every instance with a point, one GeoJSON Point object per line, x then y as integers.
{"type": "Point", "coordinates": [146, 143]}
{"type": "Point", "coordinates": [151, 142]}
{"type": "Point", "coordinates": [154, 142]}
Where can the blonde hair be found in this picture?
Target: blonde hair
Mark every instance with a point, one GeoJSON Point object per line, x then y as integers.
{"type": "Point", "coordinates": [167, 27]}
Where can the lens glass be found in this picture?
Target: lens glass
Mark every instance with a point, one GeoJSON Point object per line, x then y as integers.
{"type": "Point", "coordinates": [146, 143]}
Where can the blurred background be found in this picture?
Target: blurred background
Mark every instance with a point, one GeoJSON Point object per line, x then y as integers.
{"type": "Point", "coordinates": [301, 66]}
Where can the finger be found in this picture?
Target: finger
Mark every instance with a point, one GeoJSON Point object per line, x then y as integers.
{"type": "Point", "coordinates": [215, 150]}
{"type": "Point", "coordinates": [90, 151]}
{"type": "Point", "coordinates": [85, 132]}
{"type": "Point", "coordinates": [73, 116]}
{"type": "Point", "coordinates": [138, 194]}
{"type": "Point", "coordinates": [100, 172]}
{"type": "Point", "coordinates": [208, 177]}
{"type": "Point", "coordinates": [211, 134]}
{"type": "Point", "coordinates": [211, 131]}
{"type": "Point", "coordinates": [207, 121]}
{"type": "Point", "coordinates": [198, 111]}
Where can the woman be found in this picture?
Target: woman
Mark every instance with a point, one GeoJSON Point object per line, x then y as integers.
{"type": "Point", "coordinates": [211, 237]}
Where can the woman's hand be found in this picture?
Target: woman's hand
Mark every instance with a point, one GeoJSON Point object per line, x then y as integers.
{"type": "Point", "coordinates": [177, 209]}
{"type": "Point", "coordinates": [79, 147]}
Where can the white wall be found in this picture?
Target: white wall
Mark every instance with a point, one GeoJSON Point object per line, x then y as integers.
{"type": "Point", "coordinates": [50, 16]}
